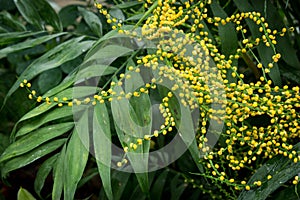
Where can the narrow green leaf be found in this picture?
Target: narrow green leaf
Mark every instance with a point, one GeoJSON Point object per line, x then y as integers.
{"type": "Point", "coordinates": [77, 92]}
{"type": "Point", "coordinates": [23, 194]}
{"type": "Point", "coordinates": [25, 159]}
{"type": "Point", "coordinates": [35, 139]}
{"type": "Point", "coordinates": [133, 119]}
{"type": "Point", "coordinates": [42, 174]}
{"type": "Point", "coordinates": [138, 159]}
{"type": "Point", "coordinates": [136, 193]}
{"type": "Point", "coordinates": [72, 65]}
{"type": "Point", "coordinates": [3, 30]}
{"type": "Point", "coordinates": [291, 75]}
{"type": "Point", "coordinates": [102, 146]}
{"type": "Point", "coordinates": [7, 5]}
{"type": "Point", "coordinates": [141, 177]}
{"type": "Point", "coordinates": [119, 182]}
{"type": "Point", "coordinates": [58, 174]}
{"type": "Point", "coordinates": [281, 168]}
{"type": "Point", "coordinates": [289, 193]}
{"type": "Point", "coordinates": [68, 15]}
{"type": "Point", "coordinates": [141, 110]}
{"type": "Point", "coordinates": [289, 54]}
{"type": "Point", "coordinates": [52, 59]}
{"type": "Point", "coordinates": [134, 83]}
{"type": "Point", "coordinates": [110, 52]}
{"type": "Point", "coordinates": [37, 111]}
{"type": "Point", "coordinates": [123, 119]}
{"type": "Point", "coordinates": [57, 113]}
{"type": "Point", "coordinates": [76, 157]}
{"type": "Point", "coordinates": [117, 13]}
{"type": "Point", "coordinates": [129, 4]}
{"type": "Point", "coordinates": [135, 17]}
{"type": "Point", "coordinates": [87, 178]}
{"type": "Point", "coordinates": [49, 79]}
{"type": "Point", "coordinates": [140, 107]}
{"type": "Point", "coordinates": [95, 71]}
{"type": "Point", "coordinates": [110, 35]}
{"type": "Point", "coordinates": [243, 6]}
{"type": "Point", "coordinates": [177, 187]}
{"type": "Point", "coordinates": [4, 142]}
{"type": "Point", "coordinates": [33, 113]}
{"type": "Point", "coordinates": [194, 150]}
{"type": "Point", "coordinates": [92, 20]}
{"type": "Point", "coordinates": [67, 82]}
{"type": "Point", "coordinates": [186, 127]}
{"type": "Point", "coordinates": [159, 185]}
{"type": "Point", "coordinates": [27, 44]}
{"type": "Point", "coordinates": [126, 113]}
{"type": "Point", "coordinates": [13, 37]}
{"type": "Point", "coordinates": [133, 190]}
{"type": "Point", "coordinates": [39, 13]}
{"type": "Point", "coordinates": [8, 21]}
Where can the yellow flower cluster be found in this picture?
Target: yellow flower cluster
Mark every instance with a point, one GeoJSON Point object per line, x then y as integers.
{"type": "Point", "coordinates": [187, 56]}
{"type": "Point", "coordinates": [244, 141]}
{"type": "Point", "coordinates": [116, 23]}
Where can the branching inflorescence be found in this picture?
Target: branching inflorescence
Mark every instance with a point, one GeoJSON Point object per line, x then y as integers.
{"type": "Point", "coordinates": [187, 54]}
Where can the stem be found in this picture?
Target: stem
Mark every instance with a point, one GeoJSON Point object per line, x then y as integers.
{"type": "Point", "coordinates": [146, 14]}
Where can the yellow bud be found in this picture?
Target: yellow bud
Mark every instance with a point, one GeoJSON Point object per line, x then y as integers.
{"type": "Point", "coordinates": [119, 164]}
{"type": "Point", "coordinates": [139, 141]}
{"type": "Point", "coordinates": [258, 183]}
{"type": "Point", "coordinates": [134, 146]}
{"type": "Point", "coordinates": [147, 137]}
{"type": "Point", "coordinates": [269, 177]}
{"type": "Point", "coordinates": [295, 182]}
{"type": "Point", "coordinates": [39, 99]}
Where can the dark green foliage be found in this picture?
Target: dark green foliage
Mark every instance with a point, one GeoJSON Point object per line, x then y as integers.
{"type": "Point", "coordinates": [55, 50]}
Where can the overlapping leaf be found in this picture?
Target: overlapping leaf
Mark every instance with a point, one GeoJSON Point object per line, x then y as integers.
{"type": "Point", "coordinates": [27, 44]}
{"type": "Point", "coordinates": [27, 158]}
{"type": "Point", "coordinates": [44, 171]}
{"type": "Point", "coordinates": [92, 20]}
{"type": "Point", "coordinates": [102, 146]}
{"type": "Point", "coordinates": [76, 156]}
{"type": "Point", "coordinates": [281, 168]}
{"type": "Point", "coordinates": [52, 59]}
{"type": "Point", "coordinates": [39, 13]}
{"type": "Point", "coordinates": [35, 139]}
